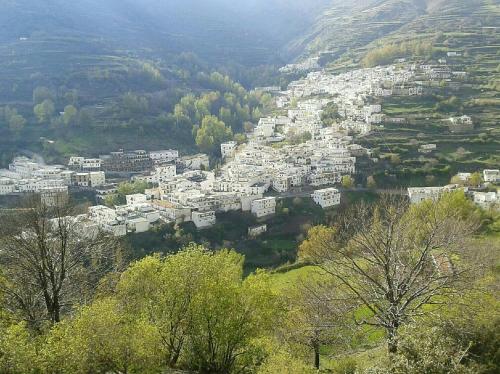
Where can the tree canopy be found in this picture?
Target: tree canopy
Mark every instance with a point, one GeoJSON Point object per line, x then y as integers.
{"type": "Point", "coordinates": [211, 134]}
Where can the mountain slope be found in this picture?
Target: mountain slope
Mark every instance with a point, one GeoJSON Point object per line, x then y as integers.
{"type": "Point", "coordinates": [349, 26]}
{"type": "Point", "coordinates": [460, 35]}
{"type": "Point", "coordinates": [92, 53]}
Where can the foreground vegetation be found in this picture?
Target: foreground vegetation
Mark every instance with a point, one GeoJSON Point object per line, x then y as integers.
{"type": "Point", "coordinates": [387, 288]}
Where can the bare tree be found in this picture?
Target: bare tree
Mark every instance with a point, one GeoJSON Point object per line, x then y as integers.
{"type": "Point", "coordinates": [50, 259]}
{"type": "Point", "coordinates": [395, 258]}
{"type": "Point", "coordinates": [318, 313]}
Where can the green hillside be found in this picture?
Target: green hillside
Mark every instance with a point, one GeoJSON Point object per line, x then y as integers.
{"type": "Point", "coordinates": [365, 34]}
{"type": "Point", "coordinates": [92, 54]}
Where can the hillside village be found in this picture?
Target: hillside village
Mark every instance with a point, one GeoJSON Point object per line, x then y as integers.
{"type": "Point", "coordinates": [292, 152]}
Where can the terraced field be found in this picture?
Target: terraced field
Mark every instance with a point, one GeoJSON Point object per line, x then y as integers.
{"type": "Point", "coordinates": [469, 27]}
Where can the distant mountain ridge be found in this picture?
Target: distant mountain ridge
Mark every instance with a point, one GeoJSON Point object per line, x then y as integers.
{"type": "Point", "coordinates": [214, 29]}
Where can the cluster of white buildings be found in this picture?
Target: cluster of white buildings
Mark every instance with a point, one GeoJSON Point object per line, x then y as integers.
{"type": "Point", "coordinates": [25, 175]}
{"type": "Point", "coordinates": [352, 94]}
{"type": "Point", "coordinates": [484, 199]}
{"type": "Point", "coordinates": [310, 63]}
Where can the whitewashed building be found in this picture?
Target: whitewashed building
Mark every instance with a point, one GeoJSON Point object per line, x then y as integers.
{"type": "Point", "coordinates": [203, 219]}
{"type": "Point", "coordinates": [327, 197]}
{"type": "Point", "coordinates": [138, 224]}
{"type": "Point", "coordinates": [164, 156]}
{"type": "Point", "coordinates": [255, 231]}
{"type": "Point", "coordinates": [85, 164]}
{"type": "Point", "coordinates": [491, 175]}
{"type": "Point", "coordinates": [419, 194]}
{"type": "Point", "coordinates": [137, 198]}
{"type": "Point", "coordinates": [264, 207]}
{"type": "Point", "coordinates": [227, 149]}
{"type": "Point", "coordinates": [7, 186]}
{"type": "Point", "coordinates": [486, 200]}
{"type": "Point", "coordinates": [427, 148]}
{"type": "Point", "coordinates": [54, 196]}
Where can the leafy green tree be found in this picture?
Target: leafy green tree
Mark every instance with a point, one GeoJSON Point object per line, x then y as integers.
{"type": "Point", "coordinates": [240, 138]}
{"type": "Point", "coordinates": [134, 104]}
{"type": "Point", "coordinates": [14, 120]}
{"type": "Point", "coordinates": [475, 179]}
{"type": "Point", "coordinates": [71, 97]}
{"type": "Point", "coordinates": [16, 123]}
{"type": "Point", "coordinates": [228, 316]}
{"type": "Point", "coordinates": [395, 159]}
{"type": "Point", "coordinates": [124, 189]}
{"type": "Point", "coordinates": [44, 111]}
{"type": "Point", "coordinates": [211, 134]}
{"type": "Point", "coordinates": [40, 94]}
{"type": "Point", "coordinates": [84, 117]}
{"type": "Point", "coordinates": [206, 315]}
{"type": "Point", "coordinates": [102, 339]}
{"type": "Point", "coordinates": [330, 114]}
{"type": "Point", "coordinates": [70, 115]}
{"type": "Point", "coordinates": [162, 290]}
{"type": "Point", "coordinates": [257, 114]}
{"type": "Point", "coordinates": [226, 116]}
{"type": "Point", "coordinates": [248, 126]}
{"type": "Point", "coordinates": [18, 350]}
{"type": "Point", "coordinates": [347, 182]}
{"type": "Point", "coordinates": [281, 361]}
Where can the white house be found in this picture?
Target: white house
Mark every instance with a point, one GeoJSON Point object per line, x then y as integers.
{"type": "Point", "coordinates": [264, 207]}
{"type": "Point", "coordinates": [255, 231]}
{"type": "Point", "coordinates": [427, 148]}
{"type": "Point", "coordinates": [418, 194]}
{"type": "Point", "coordinates": [227, 149]}
{"type": "Point", "coordinates": [266, 127]}
{"type": "Point", "coordinates": [137, 198]}
{"type": "Point", "coordinates": [7, 186]}
{"type": "Point", "coordinates": [164, 156]}
{"type": "Point", "coordinates": [164, 173]}
{"type": "Point", "coordinates": [282, 182]}
{"type": "Point", "coordinates": [247, 200]}
{"type": "Point", "coordinates": [327, 197]}
{"type": "Point", "coordinates": [115, 228]}
{"type": "Point", "coordinates": [491, 175]}
{"type": "Point", "coordinates": [53, 196]}
{"type": "Point", "coordinates": [85, 164]}
{"type": "Point", "coordinates": [137, 224]}
{"type": "Point", "coordinates": [486, 199]}
{"type": "Point", "coordinates": [88, 179]}
{"type": "Point", "coordinates": [97, 178]}
{"type": "Point", "coordinates": [203, 219]}
{"type": "Point", "coordinates": [461, 124]}
{"type": "Point", "coordinates": [172, 212]}
{"type": "Point", "coordinates": [324, 178]}
{"type": "Point", "coordinates": [148, 212]}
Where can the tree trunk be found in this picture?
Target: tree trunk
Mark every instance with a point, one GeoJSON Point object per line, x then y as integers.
{"type": "Point", "coordinates": [392, 340]}
{"type": "Point", "coordinates": [316, 355]}
{"type": "Point", "coordinates": [392, 346]}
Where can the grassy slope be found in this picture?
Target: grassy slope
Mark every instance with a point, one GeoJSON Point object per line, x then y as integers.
{"type": "Point", "coordinates": [368, 347]}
